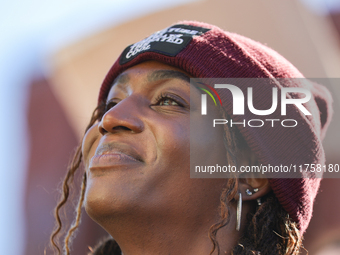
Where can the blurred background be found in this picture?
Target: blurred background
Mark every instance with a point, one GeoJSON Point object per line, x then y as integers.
{"type": "Point", "coordinates": [54, 56]}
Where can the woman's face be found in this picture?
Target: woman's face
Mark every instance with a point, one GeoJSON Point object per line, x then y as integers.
{"type": "Point", "coordinates": [137, 158]}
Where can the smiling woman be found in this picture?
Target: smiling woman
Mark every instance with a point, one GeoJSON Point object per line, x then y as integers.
{"type": "Point", "coordinates": [137, 152]}
{"type": "Point", "coordinates": [143, 175]}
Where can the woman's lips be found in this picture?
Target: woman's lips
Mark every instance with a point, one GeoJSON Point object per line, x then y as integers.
{"type": "Point", "coordinates": [113, 155]}
{"type": "Point", "coordinates": [113, 159]}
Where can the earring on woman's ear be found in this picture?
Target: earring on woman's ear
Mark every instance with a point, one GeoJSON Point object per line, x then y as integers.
{"type": "Point", "coordinates": [259, 202]}
{"type": "Point", "coordinates": [249, 193]}
{"type": "Point", "coordinates": [239, 212]}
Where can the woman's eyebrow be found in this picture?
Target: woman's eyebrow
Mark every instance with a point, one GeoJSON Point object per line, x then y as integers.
{"type": "Point", "coordinates": [122, 78]}
{"type": "Point", "coordinates": [167, 74]}
{"type": "Point", "coordinates": [120, 81]}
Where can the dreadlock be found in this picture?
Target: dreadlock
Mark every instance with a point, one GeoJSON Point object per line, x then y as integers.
{"type": "Point", "coordinates": [270, 230]}
{"type": "Point", "coordinates": [73, 167]}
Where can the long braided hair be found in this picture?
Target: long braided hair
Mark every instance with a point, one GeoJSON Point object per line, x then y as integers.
{"type": "Point", "coordinates": [269, 231]}
{"type": "Point", "coordinates": [68, 180]}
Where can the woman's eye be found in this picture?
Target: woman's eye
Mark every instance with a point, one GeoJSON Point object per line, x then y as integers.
{"type": "Point", "coordinates": [168, 101]}
{"type": "Point", "coordinates": [109, 105]}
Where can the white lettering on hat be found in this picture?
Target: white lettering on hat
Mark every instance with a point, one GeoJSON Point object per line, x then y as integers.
{"type": "Point", "coordinates": [168, 35]}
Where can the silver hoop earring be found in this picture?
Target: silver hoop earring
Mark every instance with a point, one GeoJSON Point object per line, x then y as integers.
{"type": "Point", "coordinates": [239, 212]}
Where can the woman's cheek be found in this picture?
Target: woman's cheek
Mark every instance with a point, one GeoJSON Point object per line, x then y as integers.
{"type": "Point", "coordinates": [91, 153]}
{"type": "Point", "coordinates": [90, 143]}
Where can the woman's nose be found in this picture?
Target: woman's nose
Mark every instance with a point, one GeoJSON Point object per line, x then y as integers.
{"type": "Point", "coordinates": [123, 117]}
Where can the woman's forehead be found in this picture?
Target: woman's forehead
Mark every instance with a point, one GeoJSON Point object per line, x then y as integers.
{"type": "Point", "coordinates": [148, 72]}
{"type": "Point", "coordinates": [153, 76]}
{"type": "Point", "coordinates": [156, 70]}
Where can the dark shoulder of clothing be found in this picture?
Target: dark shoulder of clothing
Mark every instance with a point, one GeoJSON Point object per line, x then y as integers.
{"type": "Point", "coordinates": [107, 246]}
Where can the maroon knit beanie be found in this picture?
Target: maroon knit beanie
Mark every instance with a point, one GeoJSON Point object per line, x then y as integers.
{"type": "Point", "coordinates": [205, 51]}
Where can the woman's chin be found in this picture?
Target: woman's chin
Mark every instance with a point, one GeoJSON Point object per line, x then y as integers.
{"type": "Point", "coordinates": [101, 206]}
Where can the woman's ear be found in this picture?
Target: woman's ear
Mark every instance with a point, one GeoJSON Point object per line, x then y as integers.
{"type": "Point", "coordinates": [253, 188]}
